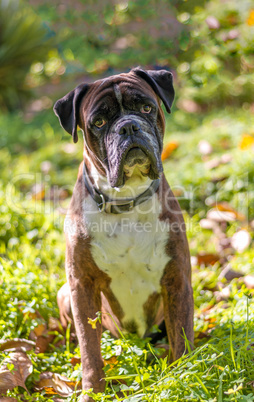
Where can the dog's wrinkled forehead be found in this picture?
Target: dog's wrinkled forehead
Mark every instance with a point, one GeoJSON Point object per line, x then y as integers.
{"type": "Point", "coordinates": [156, 84]}
{"type": "Point", "coordinates": [115, 92]}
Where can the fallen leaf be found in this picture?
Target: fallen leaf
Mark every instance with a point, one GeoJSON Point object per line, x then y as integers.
{"type": "Point", "coordinates": [220, 216]}
{"type": "Point", "coordinates": [75, 360]}
{"type": "Point", "coordinates": [47, 335]}
{"type": "Point", "coordinates": [112, 362]}
{"type": "Point", "coordinates": [207, 308]}
{"type": "Point", "coordinates": [212, 22]}
{"type": "Point", "coordinates": [43, 341]}
{"type": "Point", "coordinates": [168, 149]}
{"type": "Point", "coordinates": [247, 142]}
{"type": "Point", "coordinates": [241, 240]}
{"type": "Point", "coordinates": [250, 19]}
{"type": "Point", "coordinates": [223, 294]}
{"type": "Point", "coordinates": [207, 258]}
{"type": "Point", "coordinates": [16, 377]}
{"type": "Point", "coordinates": [54, 325]}
{"type": "Point", "coordinates": [226, 207]}
{"type": "Point", "coordinates": [207, 224]}
{"type": "Point", "coordinates": [204, 147]}
{"type": "Point", "coordinates": [16, 343]}
{"type": "Point", "coordinates": [215, 162]}
{"type": "Point", "coordinates": [56, 384]}
{"type": "Point", "coordinates": [38, 192]}
{"type": "Point", "coordinates": [229, 274]}
{"type": "Point", "coordinates": [233, 34]}
{"type": "Point", "coordinates": [249, 281]}
{"type": "Point", "coordinates": [40, 329]}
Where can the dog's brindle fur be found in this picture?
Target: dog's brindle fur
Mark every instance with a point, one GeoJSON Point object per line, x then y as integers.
{"type": "Point", "coordinates": [137, 288]}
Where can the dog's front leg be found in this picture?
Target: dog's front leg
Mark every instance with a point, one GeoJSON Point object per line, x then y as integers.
{"type": "Point", "coordinates": [86, 302]}
{"type": "Point", "coordinates": [178, 311]}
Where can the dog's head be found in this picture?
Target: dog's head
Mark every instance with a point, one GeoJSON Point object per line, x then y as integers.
{"type": "Point", "coordinates": [122, 122]}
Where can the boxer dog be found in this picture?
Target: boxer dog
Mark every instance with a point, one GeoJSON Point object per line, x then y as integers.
{"type": "Point", "coordinates": [127, 254]}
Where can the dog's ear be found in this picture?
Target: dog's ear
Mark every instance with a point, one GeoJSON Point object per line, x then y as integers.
{"type": "Point", "coordinates": [162, 83]}
{"type": "Point", "coordinates": [67, 110]}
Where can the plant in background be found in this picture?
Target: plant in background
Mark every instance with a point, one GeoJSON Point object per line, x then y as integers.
{"type": "Point", "coordinates": [218, 68]}
{"type": "Point", "coordinates": [23, 41]}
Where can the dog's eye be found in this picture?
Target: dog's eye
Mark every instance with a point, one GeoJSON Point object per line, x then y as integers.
{"type": "Point", "coordinates": [146, 109]}
{"type": "Point", "coordinates": [100, 123]}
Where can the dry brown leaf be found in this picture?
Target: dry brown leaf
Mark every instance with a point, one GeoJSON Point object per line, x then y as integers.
{"type": "Point", "coordinates": [53, 383]}
{"type": "Point", "coordinates": [168, 149]}
{"type": "Point", "coordinates": [207, 258]}
{"type": "Point", "coordinates": [22, 367]}
{"type": "Point", "coordinates": [112, 361]}
{"type": "Point", "coordinates": [8, 399]}
{"type": "Point", "coordinates": [241, 240]}
{"type": "Point", "coordinates": [43, 341]}
{"type": "Point", "coordinates": [16, 343]}
{"type": "Point", "coordinates": [54, 325]}
{"type": "Point", "coordinates": [207, 308]}
{"type": "Point", "coordinates": [40, 329]}
{"type": "Point", "coordinates": [46, 336]}
{"type": "Point", "coordinates": [75, 360]}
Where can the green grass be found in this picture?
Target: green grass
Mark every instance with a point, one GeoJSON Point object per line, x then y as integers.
{"type": "Point", "coordinates": [221, 368]}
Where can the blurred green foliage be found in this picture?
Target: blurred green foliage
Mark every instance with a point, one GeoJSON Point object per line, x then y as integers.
{"type": "Point", "coordinates": [210, 47]}
{"type": "Point", "coordinates": [219, 65]}
{"type": "Point", "coordinates": [23, 41]}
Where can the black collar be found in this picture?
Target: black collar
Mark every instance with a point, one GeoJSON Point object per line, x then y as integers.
{"type": "Point", "coordinates": [105, 204]}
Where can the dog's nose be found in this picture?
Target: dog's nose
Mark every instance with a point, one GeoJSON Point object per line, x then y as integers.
{"type": "Point", "coordinates": [129, 128]}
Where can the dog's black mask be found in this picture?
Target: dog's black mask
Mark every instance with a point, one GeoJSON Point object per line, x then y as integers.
{"type": "Point", "coordinates": [122, 121]}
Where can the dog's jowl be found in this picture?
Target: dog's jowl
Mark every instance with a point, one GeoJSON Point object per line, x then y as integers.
{"type": "Point", "coordinates": [127, 255]}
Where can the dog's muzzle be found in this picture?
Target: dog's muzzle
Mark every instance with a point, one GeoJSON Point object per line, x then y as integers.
{"type": "Point", "coordinates": [136, 159]}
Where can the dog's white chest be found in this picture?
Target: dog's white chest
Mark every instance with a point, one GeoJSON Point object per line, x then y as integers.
{"type": "Point", "coordinates": [130, 248]}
